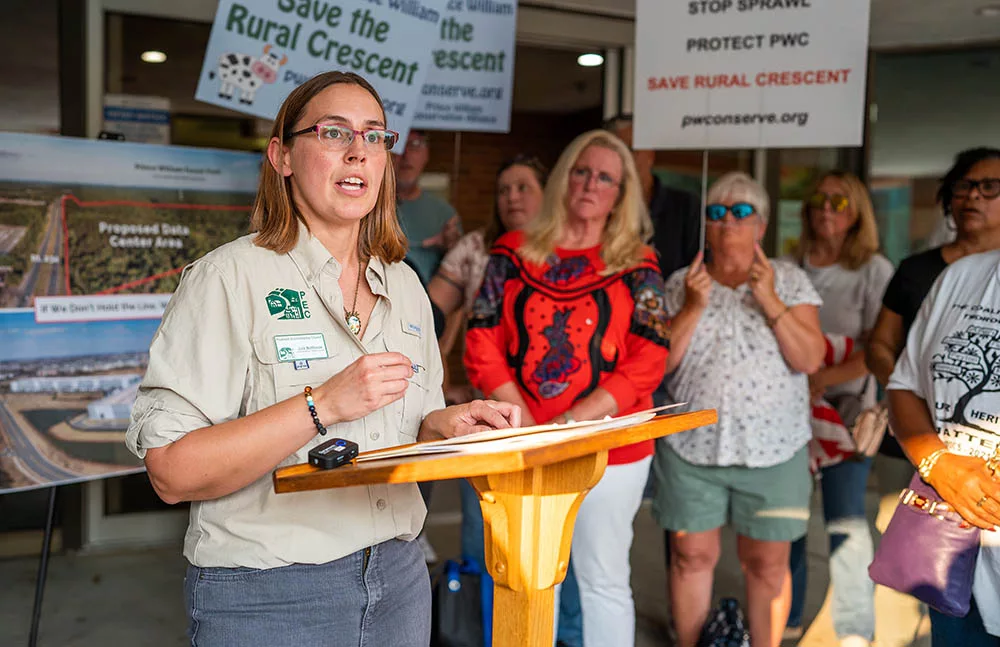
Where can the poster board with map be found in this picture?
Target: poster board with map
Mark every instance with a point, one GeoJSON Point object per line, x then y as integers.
{"type": "Point", "coordinates": [93, 238]}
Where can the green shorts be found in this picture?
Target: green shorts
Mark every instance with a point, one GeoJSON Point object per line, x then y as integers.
{"type": "Point", "coordinates": [763, 503]}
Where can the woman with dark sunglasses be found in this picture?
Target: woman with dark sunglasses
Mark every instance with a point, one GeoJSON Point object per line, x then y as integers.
{"type": "Point", "coordinates": [745, 334]}
{"type": "Point", "coordinates": [839, 252]}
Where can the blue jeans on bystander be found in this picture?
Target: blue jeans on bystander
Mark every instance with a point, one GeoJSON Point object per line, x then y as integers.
{"type": "Point", "coordinates": [948, 631]}
{"type": "Point", "coordinates": [851, 551]}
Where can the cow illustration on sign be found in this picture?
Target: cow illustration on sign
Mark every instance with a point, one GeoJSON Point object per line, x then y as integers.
{"type": "Point", "coordinates": [971, 357]}
{"type": "Point", "coordinates": [246, 73]}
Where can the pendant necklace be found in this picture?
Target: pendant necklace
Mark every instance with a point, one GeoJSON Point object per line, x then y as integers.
{"type": "Point", "coordinates": [352, 318]}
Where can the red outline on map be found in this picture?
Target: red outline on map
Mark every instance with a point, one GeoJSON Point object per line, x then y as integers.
{"type": "Point", "coordinates": [129, 203]}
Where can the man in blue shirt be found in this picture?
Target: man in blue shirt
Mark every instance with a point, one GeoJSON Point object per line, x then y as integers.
{"type": "Point", "coordinates": [431, 225]}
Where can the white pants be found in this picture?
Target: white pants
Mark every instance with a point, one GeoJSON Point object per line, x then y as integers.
{"type": "Point", "coordinates": [602, 542]}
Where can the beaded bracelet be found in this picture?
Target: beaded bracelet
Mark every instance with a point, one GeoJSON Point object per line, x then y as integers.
{"type": "Point", "coordinates": [312, 411]}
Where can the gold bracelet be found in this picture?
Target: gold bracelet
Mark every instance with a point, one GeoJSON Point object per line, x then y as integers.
{"type": "Point", "coordinates": [927, 463]}
{"type": "Point", "coordinates": [774, 322]}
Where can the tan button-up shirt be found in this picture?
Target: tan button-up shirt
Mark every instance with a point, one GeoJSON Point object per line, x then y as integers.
{"type": "Point", "coordinates": [247, 328]}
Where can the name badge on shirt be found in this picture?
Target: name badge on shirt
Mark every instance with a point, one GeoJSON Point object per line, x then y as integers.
{"type": "Point", "coordinates": [411, 328]}
{"type": "Point", "coordinates": [296, 348]}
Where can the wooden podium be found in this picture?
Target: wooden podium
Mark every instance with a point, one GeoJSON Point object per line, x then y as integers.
{"type": "Point", "coordinates": [529, 497]}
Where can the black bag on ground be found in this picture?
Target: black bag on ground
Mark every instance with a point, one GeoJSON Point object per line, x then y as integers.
{"type": "Point", "coordinates": [457, 605]}
{"type": "Point", "coordinates": [725, 626]}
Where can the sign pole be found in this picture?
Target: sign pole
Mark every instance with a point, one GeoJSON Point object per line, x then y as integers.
{"type": "Point", "coordinates": [456, 165]}
{"type": "Point", "coordinates": [704, 197]}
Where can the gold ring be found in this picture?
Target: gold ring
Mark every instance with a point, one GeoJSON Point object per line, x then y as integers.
{"type": "Point", "coordinates": [981, 501]}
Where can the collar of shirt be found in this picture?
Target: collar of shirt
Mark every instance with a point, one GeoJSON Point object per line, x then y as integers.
{"type": "Point", "coordinates": [310, 257]}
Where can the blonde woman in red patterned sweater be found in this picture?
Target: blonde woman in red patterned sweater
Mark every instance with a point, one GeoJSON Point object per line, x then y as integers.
{"type": "Point", "coordinates": [570, 325]}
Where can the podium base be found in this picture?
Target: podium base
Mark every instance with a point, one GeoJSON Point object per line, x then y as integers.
{"type": "Point", "coordinates": [528, 519]}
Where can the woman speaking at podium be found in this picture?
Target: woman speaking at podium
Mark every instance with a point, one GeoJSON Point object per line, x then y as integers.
{"type": "Point", "coordinates": [569, 324]}
{"type": "Point", "coordinates": [307, 330]}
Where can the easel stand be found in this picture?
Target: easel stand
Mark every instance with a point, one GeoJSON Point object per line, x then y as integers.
{"type": "Point", "coordinates": [529, 497]}
{"type": "Point", "coordinates": [43, 569]}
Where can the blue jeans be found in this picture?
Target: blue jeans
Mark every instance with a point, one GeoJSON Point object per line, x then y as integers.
{"type": "Point", "coordinates": [851, 551]}
{"type": "Point", "coordinates": [343, 602]}
{"type": "Point", "coordinates": [967, 632]}
{"type": "Point", "coordinates": [570, 625]}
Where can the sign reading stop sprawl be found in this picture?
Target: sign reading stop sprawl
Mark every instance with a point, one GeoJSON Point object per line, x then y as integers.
{"type": "Point", "coordinates": [750, 73]}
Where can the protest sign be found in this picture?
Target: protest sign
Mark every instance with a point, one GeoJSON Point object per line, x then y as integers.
{"type": "Point", "coordinates": [716, 74]}
{"type": "Point", "coordinates": [471, 77]}
{"type": "Point", "coordinates": [260, 50]}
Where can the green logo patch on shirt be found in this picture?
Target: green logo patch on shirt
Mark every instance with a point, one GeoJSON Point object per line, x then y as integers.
{"type": "Point", "coordinates": [290, 304]}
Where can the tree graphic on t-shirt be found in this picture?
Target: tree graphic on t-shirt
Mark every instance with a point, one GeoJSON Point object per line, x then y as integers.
{"type": "Point", "coordinates": [971, 357]}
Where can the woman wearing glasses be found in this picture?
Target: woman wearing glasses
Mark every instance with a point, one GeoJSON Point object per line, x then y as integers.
{"type": "Point", "coordinates": [745, 334]}
{"type": "Point", "coordinates": [306, 330]}
{"type": "Point", "coordinates": [916, 274]}
{"type": "Point", "coordinates": [569, 324]}
{"type": "Point", "coordinates": [923, 400]}
{"type": "Point", "coordinates": [838, 250]}
{"type": "Point", "coordinates": [520, 182]}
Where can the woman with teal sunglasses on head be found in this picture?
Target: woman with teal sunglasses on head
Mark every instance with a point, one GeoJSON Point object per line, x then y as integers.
{"type": "Point", "coordinates": [745, 334]}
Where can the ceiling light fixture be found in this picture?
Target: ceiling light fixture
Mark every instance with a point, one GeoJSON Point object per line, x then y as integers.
{"type": "Point", "coordinates": [988, 11]}
{"type": "Point", "coordinates": [590, 60]}
{"type": "Point", "coordinates": [153, 56]}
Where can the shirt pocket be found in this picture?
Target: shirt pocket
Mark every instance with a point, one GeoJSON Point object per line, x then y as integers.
{"type": "Point", "coordinates": [408, 411]}
{"type": "Point", "coordinates": [275, 380]}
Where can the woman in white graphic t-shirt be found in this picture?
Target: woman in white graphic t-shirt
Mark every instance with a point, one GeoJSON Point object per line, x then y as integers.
{"type": "Point", "coordinates": [945, 401]}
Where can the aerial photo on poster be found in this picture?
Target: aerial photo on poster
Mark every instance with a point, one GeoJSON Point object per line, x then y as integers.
{"type": "Point", "coordinates": [93, 238]}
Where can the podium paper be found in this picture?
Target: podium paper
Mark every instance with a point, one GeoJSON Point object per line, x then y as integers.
{"type": "Point", "coordinates": [499, 440]}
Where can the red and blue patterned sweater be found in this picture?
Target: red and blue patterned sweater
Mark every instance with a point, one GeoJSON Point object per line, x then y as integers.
{"type": "Point", "coordinates": [561, 329]}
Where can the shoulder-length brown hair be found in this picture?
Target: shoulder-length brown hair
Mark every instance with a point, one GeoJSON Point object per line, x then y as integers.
{"type": "Point", "coordinates": [628, 228]}
{"type": "Point", "coordinates": [862, 240]}
{"type": "Point", "coordinates": [496, 227]}
{"type": "Point", "coordinates": [275, 217]}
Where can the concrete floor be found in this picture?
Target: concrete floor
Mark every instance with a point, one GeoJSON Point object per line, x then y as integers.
{"type": "Point", "coordinates": [134, 598]}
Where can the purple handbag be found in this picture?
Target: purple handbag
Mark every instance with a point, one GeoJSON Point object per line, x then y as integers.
{"type": "Point", "coordinates": [925, 551]}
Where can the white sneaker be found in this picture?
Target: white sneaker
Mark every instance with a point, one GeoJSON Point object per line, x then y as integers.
{"type": "Point", "coordinates": [854, 641]}
{"type": "Point", "coordinates": [430, 556]}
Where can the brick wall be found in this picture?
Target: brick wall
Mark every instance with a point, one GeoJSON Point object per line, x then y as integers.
{"type": "Point", "coordinates": [480, 155]}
